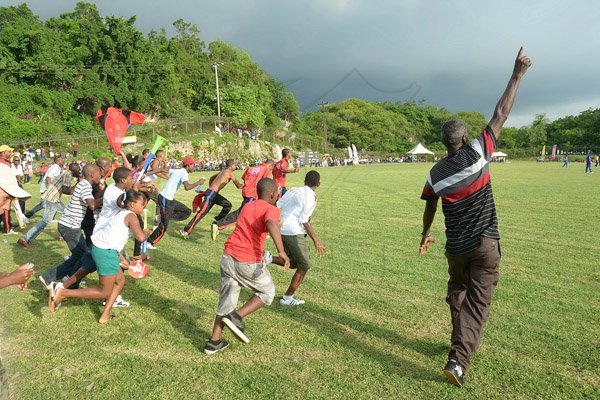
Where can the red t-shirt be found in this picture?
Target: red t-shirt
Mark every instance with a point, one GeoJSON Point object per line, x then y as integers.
{"type": "Point", "coordinates": [278, 171]}
{"type": "Point", "coordinates": [251, 177]}
{"type": "Point", "coordinates": [247, 242]}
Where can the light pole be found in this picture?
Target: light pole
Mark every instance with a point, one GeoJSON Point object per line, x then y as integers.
{"type": "Point", "coordinates": [216, 67]}
{"type": "Point", "coordinates": [322, 105]}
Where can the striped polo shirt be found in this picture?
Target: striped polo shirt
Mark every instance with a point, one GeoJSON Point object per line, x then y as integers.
{"type": "Point", "coordinates": [462, 180]}
{"type": "Point", "coordinates": [77, 207]}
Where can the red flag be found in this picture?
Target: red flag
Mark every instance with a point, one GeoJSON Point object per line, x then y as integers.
{"type": "Point", "coordinates": [115, 123]}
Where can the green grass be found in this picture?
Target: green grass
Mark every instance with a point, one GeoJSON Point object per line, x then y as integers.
{"type": "Point", "coordinates": [375, 324]}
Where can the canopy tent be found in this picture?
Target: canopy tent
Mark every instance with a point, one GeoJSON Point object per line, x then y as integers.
{"type": "Point", "coordinates": [499, 156]}
{"type": "Point", "coordinates": [420, 149]}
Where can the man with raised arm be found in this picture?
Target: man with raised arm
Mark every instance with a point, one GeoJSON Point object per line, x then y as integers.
{"type": "Point", "coordinates": [462, 180]}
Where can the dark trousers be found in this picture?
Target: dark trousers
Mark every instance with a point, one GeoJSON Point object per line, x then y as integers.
{"type": "Point", "coordinates": [87, 225]}
{"type": "Point", "coordinates": [74, 239]}
{"type": "Point", "coordinates": [207, 203]}
{"type": "Point", "coordinates": [38, 207]}
{"type": "Point", "coordinates": [166, 207]}
{"type": "Point", "coordinates": [473, 277]}
{"type": "Point", "coordinates": [232, 217]}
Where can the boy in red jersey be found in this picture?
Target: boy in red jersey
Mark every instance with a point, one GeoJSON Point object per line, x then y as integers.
{"type": "Point", "coordinates": [281, 169]}
{"type": "Point", "coordinates": [242, 265]}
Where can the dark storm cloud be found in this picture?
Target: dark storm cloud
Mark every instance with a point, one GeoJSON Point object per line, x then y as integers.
{"type": "Point", "coordinates": [456, 54]}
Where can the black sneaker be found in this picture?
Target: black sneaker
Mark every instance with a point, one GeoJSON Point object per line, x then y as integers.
{"type": "Point", "coordinates": [454, 373]}
{"type": "Point", "coordinates": [212, 348]}
{"type": "Point", "coordinates": [234, 322]}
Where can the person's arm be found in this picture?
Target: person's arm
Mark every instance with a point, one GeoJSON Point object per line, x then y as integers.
{"type": "Point", "coordinates": [428, 216]}
{"type": "Point", "coordinates": [126, 162]}
{"type": "Point", "coordinates": [190, 186]}
{"type": "Point", "coordinates": [131, 221]}
{"type": "Point", "coordinates": [313, 235]}
{"type": "Point", "coordinates": [235, 181]}
{"type": "Point", "coordinates": [160, 172]}
{"type": "Point", "coordinates": [273, 229]}
{"type": "Point", "coordinates": [19, 276]}
{"type": "Point", "coordinates": [522, 63]}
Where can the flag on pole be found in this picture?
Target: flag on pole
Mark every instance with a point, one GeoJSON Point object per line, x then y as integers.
{"type": "Point", "coordinates": [115, 123]}
{"type": "Point", "coordinates": [157, 145]}
{"type": "Point", "coordinates": [554, 152]}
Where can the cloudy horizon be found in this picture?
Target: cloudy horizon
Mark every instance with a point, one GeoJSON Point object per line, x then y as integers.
{"type": "Point", "coordinates": [456, 54]}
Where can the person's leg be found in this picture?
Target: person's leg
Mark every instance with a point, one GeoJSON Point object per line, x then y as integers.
{"type": "Point", "coordinates": [78, 247]}
{"type": "Point", "coordinates": [228, 295]}
{"type": "Point", "coordinates": [50, 210]}
{"type": "Point", "coordinates": [117, 287]}
{"type": "Point", "coordinates": [86, 267]}
{"type": "Point", "coordinates": [105, 286]}
{"type": "Point", "coordinates": [297, 280]}
{"type": "Point", "coordinates": [137, 245]}
{"type": "Point", "coordinates": [482, 275]}
{"type": "Point", "coordinates": [224, 204]}
{"type": "Point", "coordinates": [207, 204]}
{"type": "Point", "coordinates": [39, 206]}
{"type": "Point", "coordinates": [232, 217]}
{"type": "Point", "coordinates": [6, 221]}
{"type": "Point", "coordinates": [253, 304]}
{"type": "Point", "coordinates": [160, 230]}
{"type": "Point", "coordinates": [457, 288]}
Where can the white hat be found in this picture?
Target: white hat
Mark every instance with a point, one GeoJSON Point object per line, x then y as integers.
{"type": "Point", "coordinates": [8, 183]}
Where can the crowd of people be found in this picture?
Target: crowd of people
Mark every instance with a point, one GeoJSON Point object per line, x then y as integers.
{"type": "Point", "coordinates": [108, 214]}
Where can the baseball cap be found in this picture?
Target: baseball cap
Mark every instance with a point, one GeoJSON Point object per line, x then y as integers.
{"type": "Point", "coordinates": [4, 148]}
{"type": "Point", "coordinates": [8, 183]}
{"type": "Point", "coordinates": [188, 161]}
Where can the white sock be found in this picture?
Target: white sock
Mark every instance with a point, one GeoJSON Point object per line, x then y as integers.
{"type": "Point", "coordinates": [286, 297]}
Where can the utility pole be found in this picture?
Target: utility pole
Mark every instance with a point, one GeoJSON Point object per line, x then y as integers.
{"type": "Point", "coordinates": [216, 67]}
{"type": "Point", "coordinates": [322, 105]}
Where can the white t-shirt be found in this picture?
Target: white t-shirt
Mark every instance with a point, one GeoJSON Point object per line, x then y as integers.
{"type": "Point", "coordinates": [297, 206]}
{"type": "Point", "coordinates": [178, 176]}
{"type": "Point", "coordinates": [114, 234]}
{"type": "Point", "coordinates": [53, 171]}
{"type": "Point", "coordinates": [17, 169]}
{"type": "Point", "coordinates": [109, 206]}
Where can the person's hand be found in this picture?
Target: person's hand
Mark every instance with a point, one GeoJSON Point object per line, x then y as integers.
{"type": "Point", "coordinates": [20, 276]}
{"type": "Point", "coordinates": [286, 261]}
{"type": "Point", "coordinates": [522, 63]}
{"type": "Point", "coordinates": [425, 244]}
{"type": "Point", "coordinates": [320, 248]}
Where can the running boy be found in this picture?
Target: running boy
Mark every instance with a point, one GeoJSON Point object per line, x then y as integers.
{"type": "Point", "coordinates": [242, 265]}
{"type": "Point", "coordinates": [178, 177]}
{"type": "Point", "coordinates": [297, 206]}
{"type": "Point", "coordinates": [219, 183]}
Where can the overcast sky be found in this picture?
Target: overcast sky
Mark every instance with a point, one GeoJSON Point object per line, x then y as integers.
{"type": "Point", "coordinates": [455, 53]}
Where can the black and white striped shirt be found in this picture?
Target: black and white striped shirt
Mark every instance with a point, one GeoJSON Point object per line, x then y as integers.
{"type": "Point", "coordinates": [75, 210]}
{"type": "Point", "coordinates": [462, 180]}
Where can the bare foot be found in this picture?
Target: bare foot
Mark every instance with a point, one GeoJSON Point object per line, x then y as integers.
{"type": "Point", "coordinates": [106, 320]}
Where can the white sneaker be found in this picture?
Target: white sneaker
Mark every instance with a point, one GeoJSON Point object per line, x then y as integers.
{"type": "Point", "coordinates": [291, 302]}
{"type": "Point", "coordinates": [11, 232]}
{"type": "Point", "coordinates": [41, 279]}
{"type": "Point", "coordinates": [150, 247]}
{"type": "Point", "coordinates": [119, 303]}
{"type": "Point", "coordinates": [25, 220]}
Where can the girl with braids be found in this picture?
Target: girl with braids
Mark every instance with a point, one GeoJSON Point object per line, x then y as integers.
{"type": "Point", "coordinates": [107, 242]}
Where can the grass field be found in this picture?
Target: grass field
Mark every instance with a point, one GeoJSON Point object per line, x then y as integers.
{"type": "Point", "coordinates": [375, 324]}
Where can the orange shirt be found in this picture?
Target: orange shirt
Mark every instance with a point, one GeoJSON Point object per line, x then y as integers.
{"type": "Point", "coordinates": [278, 171]}
{"type": "Point", "coordinates": [251, 177]}
{"type": "Point", "coordinates": [247, 242]}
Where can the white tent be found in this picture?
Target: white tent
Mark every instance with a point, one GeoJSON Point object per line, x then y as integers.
{"type": "Point", "coordinates": [420, 149]}
{"type": "Point", "coordinates": [499, 156]}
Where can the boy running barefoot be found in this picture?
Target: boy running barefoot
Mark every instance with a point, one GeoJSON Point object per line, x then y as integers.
{"type": "Point", "coordinates": [108, 241]}
{"type": "Point", "coordinates": [242, 265]}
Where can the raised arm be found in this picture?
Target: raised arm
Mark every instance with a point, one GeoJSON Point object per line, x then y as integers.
{"type": "Point", "coordinates": [522, 63]}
